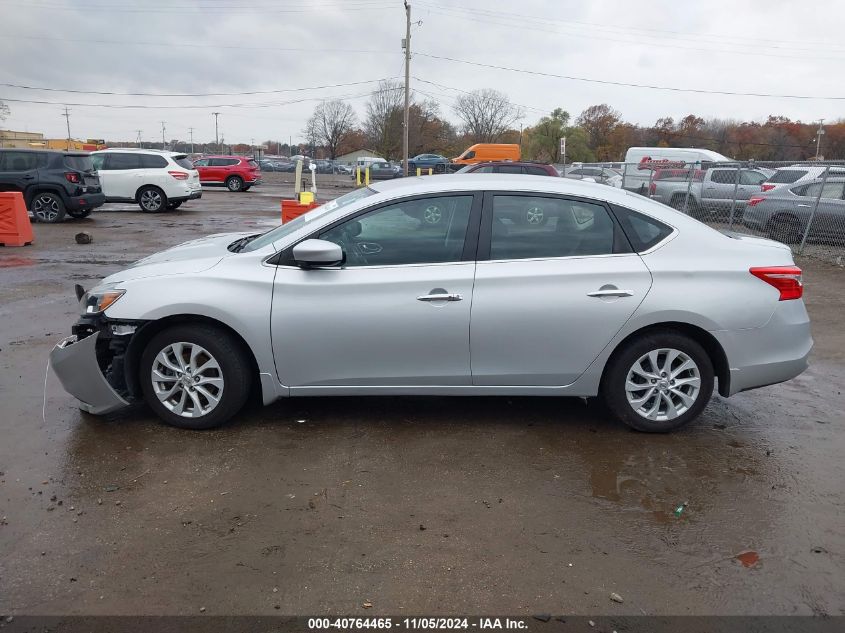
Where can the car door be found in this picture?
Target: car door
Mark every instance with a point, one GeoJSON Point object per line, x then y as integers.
{"type": "Point", "coordinates": [829, 216]}
{"type": "Point", "coordinates": [395, 316]}
{"type": "Point", "coordinates": [549, 297]}
{"type": "Point", "coordinates": [19, 170]}
{"type": "Point", "coordinates": [122, 175]}
{"type": "Point", "coordinates": [718, 190]}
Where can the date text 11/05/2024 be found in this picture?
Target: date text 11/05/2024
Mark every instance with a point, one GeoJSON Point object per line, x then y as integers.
{"type": "Point", "coordinates": [417, 623]}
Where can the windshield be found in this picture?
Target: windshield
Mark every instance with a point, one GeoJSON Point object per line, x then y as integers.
{"type": "Point", "coordinates": [281, 231]}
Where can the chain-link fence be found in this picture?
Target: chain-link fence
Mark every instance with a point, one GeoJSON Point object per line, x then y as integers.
{"type": "Point", "coordinates": [800, 204]}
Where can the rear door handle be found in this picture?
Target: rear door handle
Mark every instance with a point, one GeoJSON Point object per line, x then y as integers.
{"type": "Point", "coordinates": [441, 297]}
{"type": "Point", "coordinates": [610, 292]}
{"type": "Point", "coordinates": [804, 206]}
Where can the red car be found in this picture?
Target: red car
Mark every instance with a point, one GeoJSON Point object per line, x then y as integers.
{"type": "Point", "coordinates": [236, 173]}
{"type": "Point", "coordinates": [511, 167]}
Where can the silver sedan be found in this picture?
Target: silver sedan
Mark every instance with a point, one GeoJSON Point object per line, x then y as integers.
{"type": "Point", "coordinates": [610, 295]}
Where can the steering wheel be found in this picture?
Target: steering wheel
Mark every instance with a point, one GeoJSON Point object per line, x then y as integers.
{"type": "Point", "coordinates": [344, 236]}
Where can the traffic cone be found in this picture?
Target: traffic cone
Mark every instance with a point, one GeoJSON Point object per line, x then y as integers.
{"type": "Point", "coordinates": [15, 227]}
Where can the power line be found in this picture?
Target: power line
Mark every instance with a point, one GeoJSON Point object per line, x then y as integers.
{"type": "Point", "coordinates": [189, 94]}
{"type": "Point", "coordinates": [365, 5]}
{"type": "Point", "coordinates": [625, 84]}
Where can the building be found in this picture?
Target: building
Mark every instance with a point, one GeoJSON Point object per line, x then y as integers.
{"type": "Point", "coordinates": [21, 140]}
{"type": "Point", "coordinates": [352, 157]}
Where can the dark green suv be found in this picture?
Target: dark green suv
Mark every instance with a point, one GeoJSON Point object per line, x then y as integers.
{"type": "Point", "coordinates": [53, 183]}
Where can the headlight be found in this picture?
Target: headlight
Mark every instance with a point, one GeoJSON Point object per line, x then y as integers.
{"type": "Point", "coordinates": [96, 301]}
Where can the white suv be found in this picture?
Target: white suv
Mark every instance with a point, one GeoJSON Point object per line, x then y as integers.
{"type": "Point", "coordinates": [154, 179]}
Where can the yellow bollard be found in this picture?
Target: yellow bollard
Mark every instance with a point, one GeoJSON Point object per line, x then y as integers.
{"type": "Point", "coordinates": [430, 171]}
{"type": "Point", "coordinates": [419, 171]}
{"type": "Point", "coordinates": [367, 176]}
{"type": "Point", "coordinates": [357, 176]}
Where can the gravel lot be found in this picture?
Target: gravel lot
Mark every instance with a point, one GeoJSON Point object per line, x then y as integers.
{"type": "Point", "coordinates": [415, 505]}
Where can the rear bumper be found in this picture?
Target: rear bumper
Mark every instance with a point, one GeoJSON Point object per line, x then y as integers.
{"type": "Point", "coordinates": [191, 196]}
{"type": "Point", "coordinates": [771, 354]}
{"type": "Point", "coordinates": [74, 361]}
{"type": "Point", "coordinates": [85, 201]}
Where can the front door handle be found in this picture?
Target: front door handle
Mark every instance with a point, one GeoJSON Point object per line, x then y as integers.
{"type": "Point", "coordinates": [441, 296]}
{"type": "Point", "coordinates": [610, 292]}
{"type": "Point", "coordinates": [804, 206]}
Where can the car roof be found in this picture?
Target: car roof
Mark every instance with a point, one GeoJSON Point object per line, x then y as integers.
{"type": "Point", "coordinates": [230, 156]}
{"type": "Point", "coordinates": [512, 162]}
{"type": "Point", "coordinates": [139, 150]}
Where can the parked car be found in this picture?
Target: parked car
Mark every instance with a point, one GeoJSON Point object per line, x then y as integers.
{"type": "Point", "coordinates": [784, 213]}
{"type": "Point", "coordinates": [713, 195]}
{"type": "Point", "coordinates": [236, 173]}
{"type": "Point", "coordinates": [265, 164]}
{"type": "Point", "coordinates": [641, 161]}
{"type": "Point", "coordinates": [381, 170]}
{"type": "Point", "coordinates": [358, 297]}
{"type": "Point", "coordinates": [509, 167]}
{"type": "Point", "coordinates": [53, 183]}
{"type": "Point", "coordinates": [798, 174]}
{"type": "Point", "coordinates": [484, 152]}
{"type": "Point", "coordinates": [155, 179]}
{"type": "Point", "coordinates": [601, 175]}
{"type": "Point", "coordinates": [435, 162]}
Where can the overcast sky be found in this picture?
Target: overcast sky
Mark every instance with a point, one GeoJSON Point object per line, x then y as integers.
{"type": "Point", "coordinates": [230, 46]}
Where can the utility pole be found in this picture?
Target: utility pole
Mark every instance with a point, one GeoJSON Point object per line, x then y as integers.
{"type": "Point", "coordinates": [138, 138]}
{"type": "Point", "coordinates": [163, 142]}
{"type": "Point", "coordinates": [407, 87]}
{"type": "Point", "coordinates": [191, 133]}
{"type": "Point", "coordinates": [66, 115]}
{"type": "Point", "coordinates": [819, 133]}
{"type": "Point", "coordinates": [216, 136]}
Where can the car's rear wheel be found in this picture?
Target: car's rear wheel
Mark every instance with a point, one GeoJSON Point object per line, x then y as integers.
{"type": "Point", "coordinates": [47, 207]}
{"type": "Point", "coordinates": [194, 376]}
{"type": "Point", "coordinates": [440, 169]}
{"type": "Point", "coordinates": [785, 228]}
{"type": "Point", "coordinates": [678, 202]}
{"type": "Point", "coordinates": [152, 199]}
{"type": "Point", "coordinates": [234, 183]}
{"type": "Point", "coordinates": [79, 213]}
{"type": "Point", "coordinates": [658, 382]}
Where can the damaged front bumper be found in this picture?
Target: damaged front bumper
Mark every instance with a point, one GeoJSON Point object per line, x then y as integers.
{"type": "Point", "coordinates": [74, 361]}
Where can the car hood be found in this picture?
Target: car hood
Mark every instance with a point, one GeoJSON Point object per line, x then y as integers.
{"type": "Point", "coordinates": [189, 257]}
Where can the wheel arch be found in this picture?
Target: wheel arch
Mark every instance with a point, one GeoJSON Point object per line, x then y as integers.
{"type": "Point", "coordinates": [714, 349]}
{"type": "Point", "coordinates": [33, 191]}
{"type": "Point", "coordinates": [146, 332]}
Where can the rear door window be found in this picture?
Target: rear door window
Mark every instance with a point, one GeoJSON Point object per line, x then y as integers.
{"type": "Point", "coordinates": [22, 161]}
{"type": "Point", "coordinates": [118, 161]}
{"type": "Point", "coordinates": [535, 171]}
{"type": "Point", "coordinates": [830, 190]}
{"type": "Point", "coordinates": [751, 178]}
{"type": "Point", "coordinates": [508, 169]}
{"type": "Point", "coordinates": [724, 176]}
{"type": "Point", "coordinates": [152, 161]}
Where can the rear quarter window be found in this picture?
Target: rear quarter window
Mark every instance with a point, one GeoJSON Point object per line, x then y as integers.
{"type": "Point", "coordinates": [642, 231]}
{"type": "Point", "coordinates": [79, 163]}
{"type": "Point", "coordinates": [787, 176]}
{"type": "Point", "coordinates": [183, 162]}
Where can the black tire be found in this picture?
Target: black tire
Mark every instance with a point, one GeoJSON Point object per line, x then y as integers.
{"type": "Point", "coordinates": [613, 387]}
{"type": "Point", "coordinates": [235, 183]}
{"type": "Point", "coordinates": [246, 188]}
{"type": "Point", "coordinates": [172, 206]}
{"type": "Point", "coordinates": [47, 207]}
{"type": "Point", "coordinates": [234, 368]}
{"type": "Point", "coordinates": [151, 199]}
{"type": "Point", "coordinates": [79, 213]}
{"type": "Point", "coordinates": [785, 228]}
{"type": "Point", "coordinates": [440, 169]}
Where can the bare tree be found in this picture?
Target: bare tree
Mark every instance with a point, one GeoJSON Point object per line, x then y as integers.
{"type": "Point", "coordinates": [383, 124]}
{"type": "Point", "coordinates": [486, 114]}
{"type": "Point", "coordinates": [4, 111]}
{"type": "Point", "coordinates": [330, 124]}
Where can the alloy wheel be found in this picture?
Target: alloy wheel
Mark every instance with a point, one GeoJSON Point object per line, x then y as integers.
{"type": "Point", "coordinates": [187, 379]}
{"type": "Point", "coordinates": [151, 200]}
{"type": "Point", "coordinates": [46, 208]}
{"type": "Point", "coordinates": [663, 384]}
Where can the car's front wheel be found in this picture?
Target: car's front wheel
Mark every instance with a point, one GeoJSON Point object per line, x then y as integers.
{"type": "Point", "coordinates": [658, 382]}
{"type": "Point", "coordinates": [194, 376]}
{"type": "Point", "coordinates": [47, 207]}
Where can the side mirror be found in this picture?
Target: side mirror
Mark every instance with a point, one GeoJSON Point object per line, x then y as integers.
{"type": "Point", "coordinates": [318, 254]}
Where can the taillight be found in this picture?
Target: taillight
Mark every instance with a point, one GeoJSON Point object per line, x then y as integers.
{"type": "Point", "coordinates": [766, 187]}
{"type": "Point", "coordinates": [179, 175]}
{"type": "Point", "coordinates": [754, 201]}
{"type": "Point", "coordinates": [72, 176]}
{"type": "Point", "coordinates": [787, 279]}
